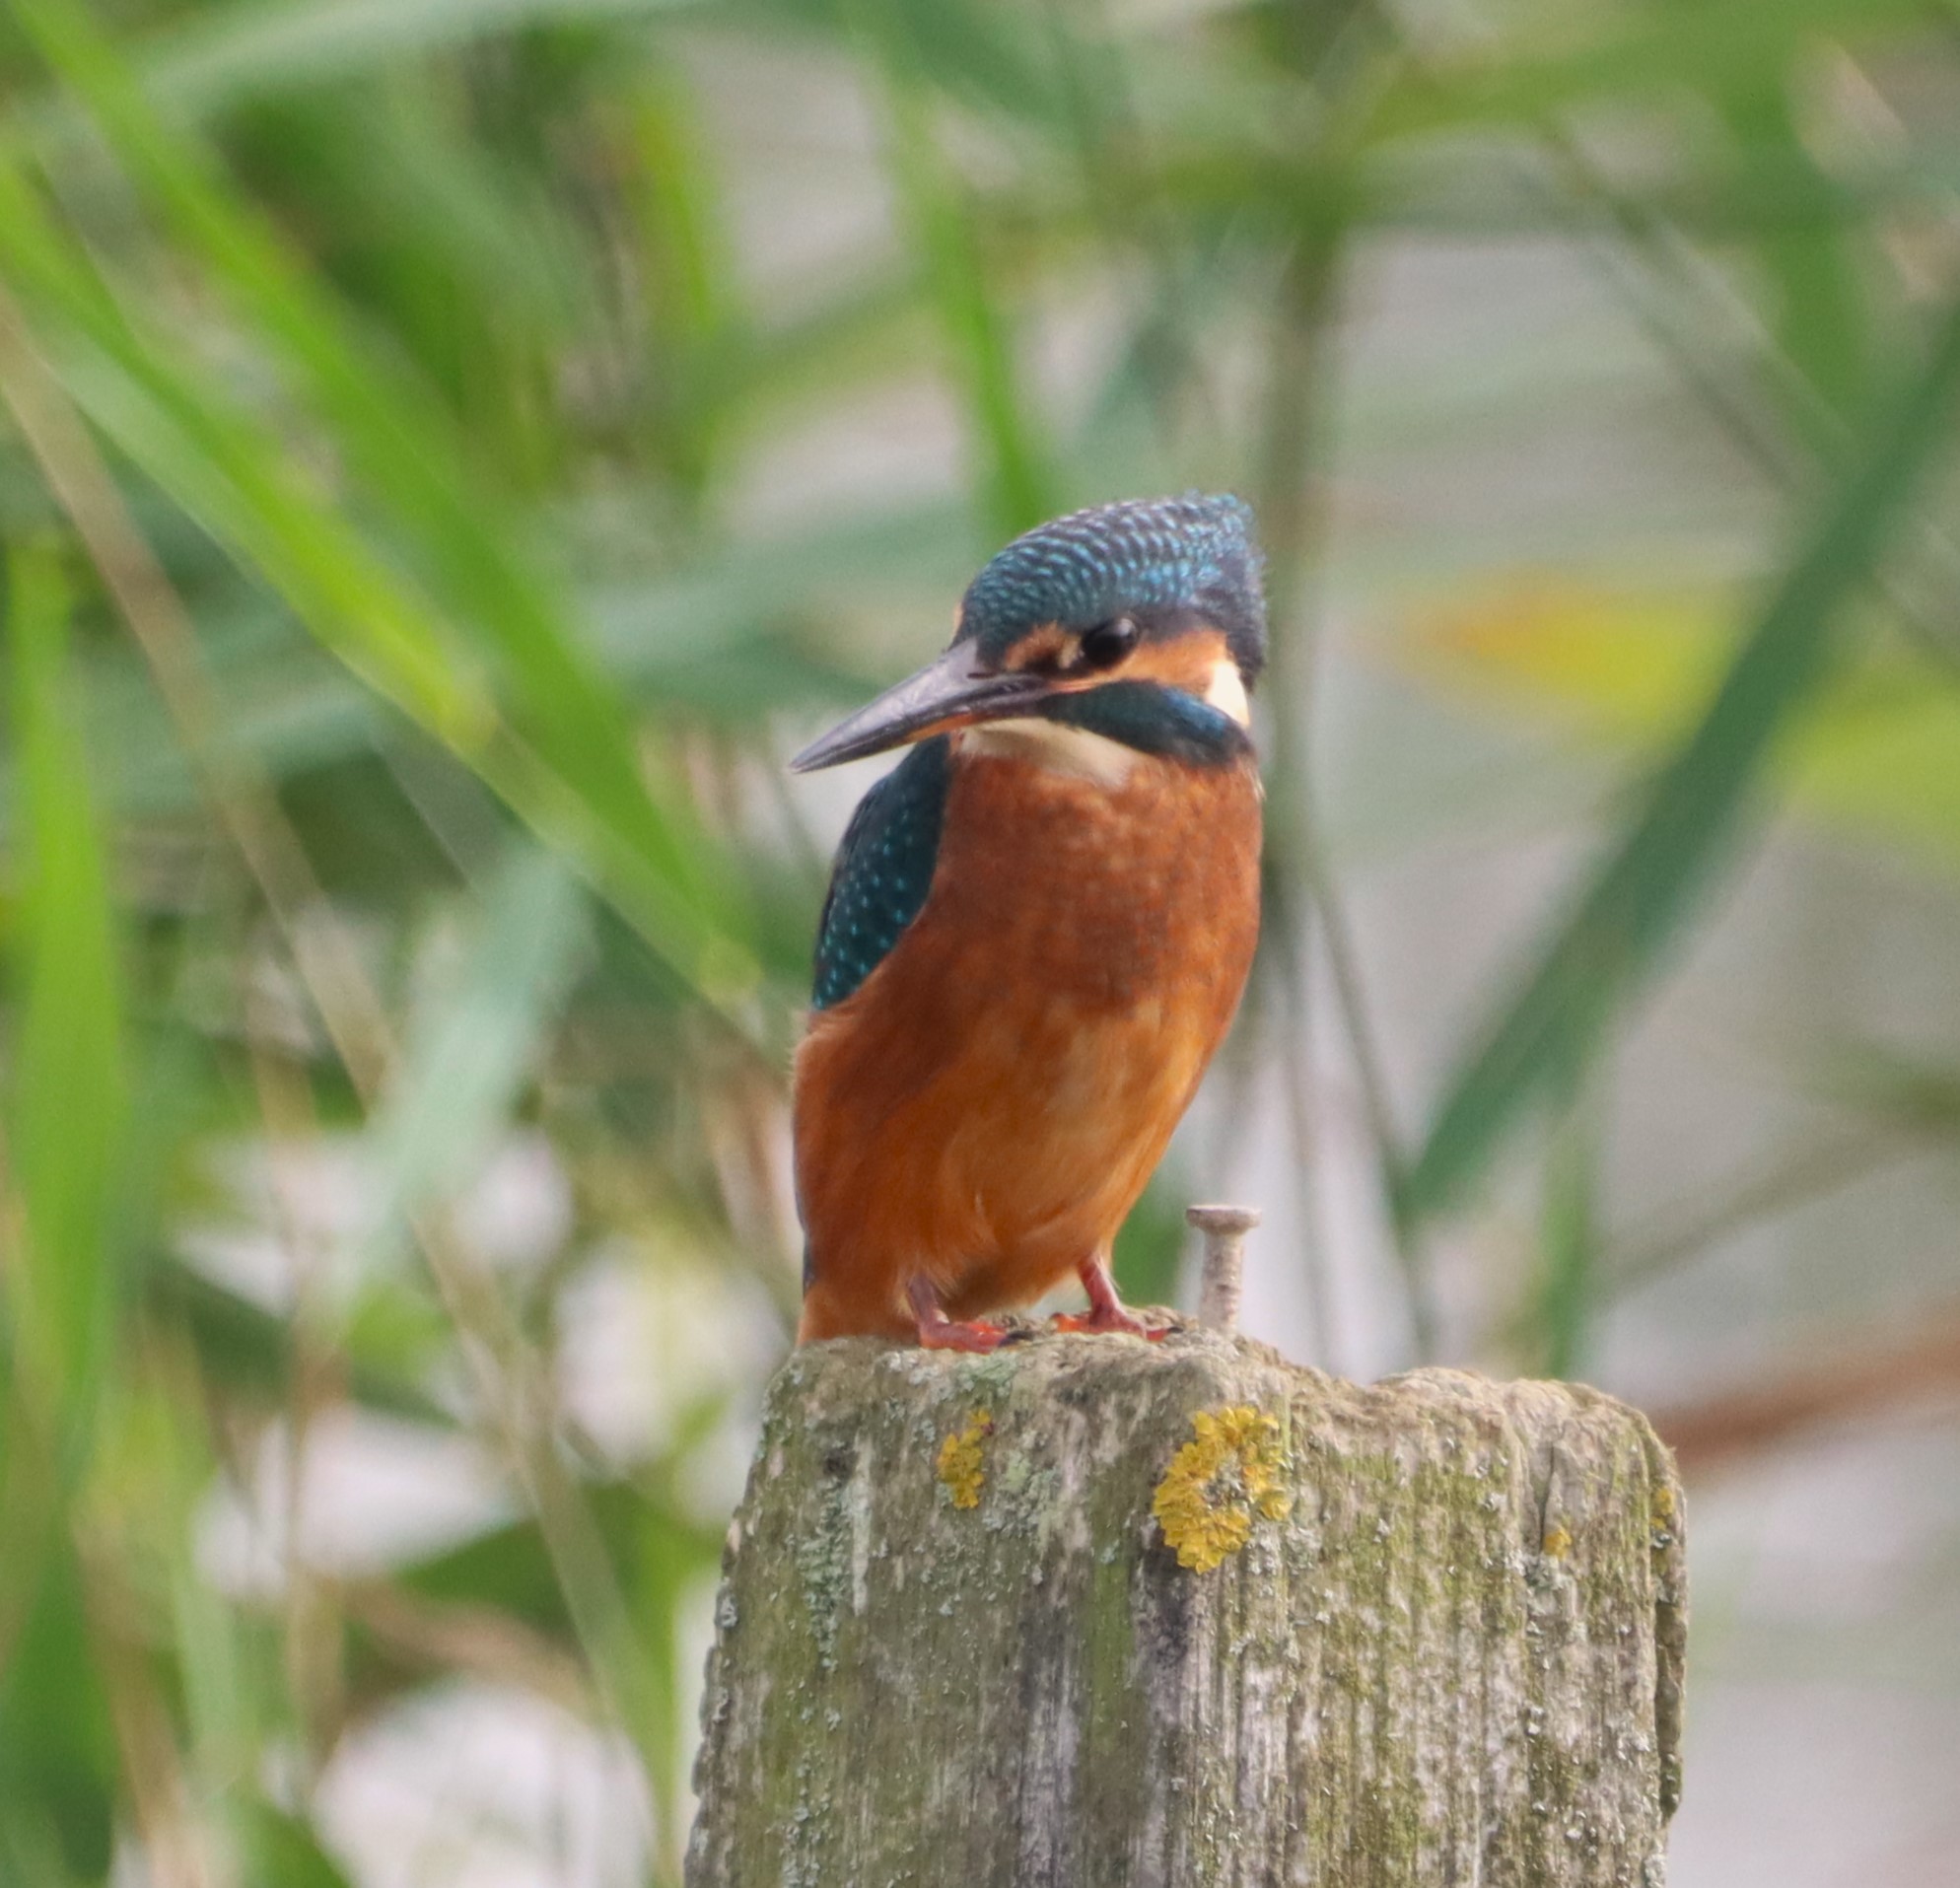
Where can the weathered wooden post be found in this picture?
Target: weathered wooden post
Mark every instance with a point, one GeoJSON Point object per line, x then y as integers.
{"type": "Point", "coordinates": [1097, 1613]}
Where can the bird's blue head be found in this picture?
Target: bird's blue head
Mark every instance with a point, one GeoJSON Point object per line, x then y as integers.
{"type": "Point", "coordinates": [1161, 594]}
{"type": "Point", "coordinates": [1167, 564]}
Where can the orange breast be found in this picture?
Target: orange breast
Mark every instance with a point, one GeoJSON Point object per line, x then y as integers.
{"type": "Point", "coordinates": [988, 1104]}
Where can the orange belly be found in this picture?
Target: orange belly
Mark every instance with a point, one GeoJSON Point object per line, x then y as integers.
{"type": "Point", "coordinates": [988, 1104]}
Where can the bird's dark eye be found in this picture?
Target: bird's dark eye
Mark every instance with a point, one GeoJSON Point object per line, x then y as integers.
{"type": "Point", "coordinates": [1104, 645]}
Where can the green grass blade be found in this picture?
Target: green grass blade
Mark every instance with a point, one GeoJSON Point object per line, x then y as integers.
{"type": "Point", "coordinates": [186, 433]}
{"type": "Point", "coordinates": [386, 423]}
{"type": "Point", "coordinates": [1638, 52]}
{"type": "Point", "coordinates": [699, 329]}
{"type": "Point", "coordinates": [1011, 469]}
{"type": "Point", "coordinates": [281, 1848]}
{"type": "Point", "coordinates": [1150, 1247]}
{"type": "Point", "coordinates": [58, 1771]}
{"type": "Point", "coordinates": [467, 1058]}
{"type": "Point", "coordinates": [1818, 293]}
{"type": "Point", "coordinates": [1630, 910]}
{"type": "Point", "coordinates": [172, 417]}
{"type": "Point", "coordinates": [224, 57]}
{"type": "Point", "coordinates": [67, 1101]}
{"type": "Point", "coordinates": [1570, 1232]}
{"type": "Point", "coordinates": [398, 442]}
{"type": "Point", "coordinates": [65, 1106]}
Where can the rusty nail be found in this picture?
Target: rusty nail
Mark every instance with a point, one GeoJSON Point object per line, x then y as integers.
{"type": "Point", "coordinates": [1223, 1279]}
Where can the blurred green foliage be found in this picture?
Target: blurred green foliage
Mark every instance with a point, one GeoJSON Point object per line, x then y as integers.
{"type": "Point", "coordinates": [401, 628]}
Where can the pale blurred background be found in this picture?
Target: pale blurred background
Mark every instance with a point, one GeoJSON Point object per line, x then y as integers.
{"type": "Point", "coordinates": [454, 450]}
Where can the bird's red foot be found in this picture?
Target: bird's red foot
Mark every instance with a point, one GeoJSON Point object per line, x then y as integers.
{"type": "Point", "coordinates": [1106, 1311]}
{"type": "Point", "coordinates": [938, 1332]}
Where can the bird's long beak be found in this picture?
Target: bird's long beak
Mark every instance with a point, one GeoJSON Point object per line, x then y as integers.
{"type": "Point", "coordinates": [948, 693]}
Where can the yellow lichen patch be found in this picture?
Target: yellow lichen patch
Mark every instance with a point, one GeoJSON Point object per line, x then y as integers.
{"type": "Point", "coordinates": [1662, 1511]}
{"type": "Point", "coordinates": [961, 1467]}
{"type": "Point", "coordinates": [1214, 1485]}
{"type": "Point", "coordinates": [1558, 1542]}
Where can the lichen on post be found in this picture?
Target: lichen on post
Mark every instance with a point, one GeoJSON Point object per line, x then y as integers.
{"type": "Point", "coordinates": [1091, 1611]}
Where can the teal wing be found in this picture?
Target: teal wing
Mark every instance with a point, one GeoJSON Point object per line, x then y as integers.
{"type": "Point", "coordinates": [883, 871]}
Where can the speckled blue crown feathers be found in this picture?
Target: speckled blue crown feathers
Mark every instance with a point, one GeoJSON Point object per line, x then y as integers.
{"type": "Point", "coordinates": [1191, 552]}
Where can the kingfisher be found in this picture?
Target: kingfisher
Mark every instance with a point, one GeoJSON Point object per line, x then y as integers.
{"type": "Point", "coordinates": [1038, 927]}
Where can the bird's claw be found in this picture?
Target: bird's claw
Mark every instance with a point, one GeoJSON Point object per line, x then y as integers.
{"type": "Point", "coordinates": [945, 1334]}
{"type": "Point", "coordinates": [1115, 1321]}
{"type": "Point", "coordinates": [938, 1332]}
{"type": "Point", "coordinates": [1106, 1313]}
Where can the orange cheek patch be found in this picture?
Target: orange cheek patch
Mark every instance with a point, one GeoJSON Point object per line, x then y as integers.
{"type": "Point", "coordinates": [1186, 662]}
{"type": "Point", "coordinates": [1049, 642]}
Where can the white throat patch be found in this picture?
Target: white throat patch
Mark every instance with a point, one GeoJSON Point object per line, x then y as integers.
{"type": "Point", "coordinates": [1055, 745]}
{"type": "Point", "coordinates": [1225, 691]}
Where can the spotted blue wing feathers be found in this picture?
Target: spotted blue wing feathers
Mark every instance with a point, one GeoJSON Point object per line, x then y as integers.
{"type": "Point", "coordinates": [883, 871]}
